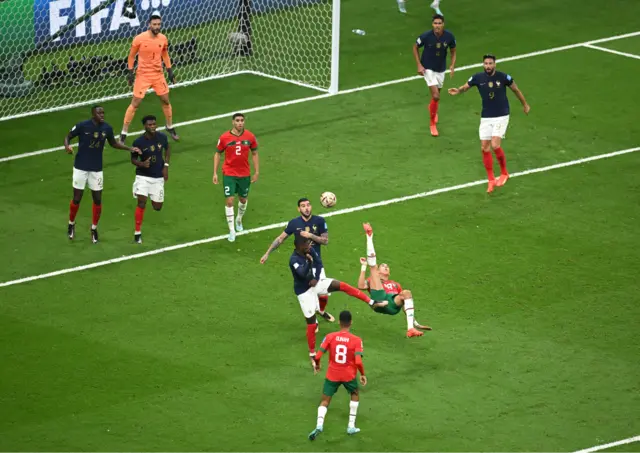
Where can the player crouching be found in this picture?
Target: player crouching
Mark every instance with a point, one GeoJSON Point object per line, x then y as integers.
{"type": "Point", "coordinates": [381, 288]}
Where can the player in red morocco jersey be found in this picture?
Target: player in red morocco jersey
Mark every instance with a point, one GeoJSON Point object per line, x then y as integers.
{"type": "Point", "coordinates": [381, 288]}
{"type": "Point", "coordinates": [345, 360]}
{"type": "Point", "coordinates": [236, 171]}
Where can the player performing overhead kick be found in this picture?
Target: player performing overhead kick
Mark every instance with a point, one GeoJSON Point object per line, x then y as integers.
{"type": "Point", "coordinates": [383, 289]}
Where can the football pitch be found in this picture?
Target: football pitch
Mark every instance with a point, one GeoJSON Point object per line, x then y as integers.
{"type": "Point", "coordinates": [187, 343]}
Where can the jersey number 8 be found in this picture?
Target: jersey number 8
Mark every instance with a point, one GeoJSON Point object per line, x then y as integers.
{"type": "Point", "coordinates": [341, 354]}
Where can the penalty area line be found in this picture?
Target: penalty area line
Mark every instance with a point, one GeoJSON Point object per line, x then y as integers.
{"type": "Point", "coordinates": [329, 214]}
{"type": "Point", "coordinates": [351, 90]}
{"type": "Point", "coordinates": [617, 443]}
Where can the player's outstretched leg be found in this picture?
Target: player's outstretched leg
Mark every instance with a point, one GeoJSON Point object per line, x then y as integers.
{"type": "Point", "coordinates": [402, 6]}
{"type": "Point", "coordinates": [487, 160]}
{"type": "Point", "coordinates": [353, 412]}
{"type": "Point", "coordinates": [435, 5]}
{"type": "Point", "coordinates": [346, 288]}
{"type": "Point", "coordinates": [128, 117]}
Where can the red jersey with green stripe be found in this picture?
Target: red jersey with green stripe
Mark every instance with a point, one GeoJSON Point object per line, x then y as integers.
{"type": "Point", "coordinates": [389, 286]}
{"type": "Point", "coordinates": [236, 152]}
{"type": "Point", "coordinates": [343, 347]}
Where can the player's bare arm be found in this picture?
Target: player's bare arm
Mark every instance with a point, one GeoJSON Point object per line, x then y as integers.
{"type": "Point", "coordinates": [167, 157]}
{"type": "Point", "coordinates": [363, 380]}
{"type": "Point", "coordinates": [141, 163]}
{"type": "Point", "coordinates": [67, 143]}
{"type": "Point", "coordinates": [323, 239]}
{"type": "Point", "coordinates": [462, 89]}
{"type": "Point", "coordinates": [520, 97]}
{"type": "Point", "coordinates": [117, 145]}
{"type": "Point", "coordinates": [216, 165]}
{"type": "Point", "coordinates": [452, 68]}
{"type": "Point", "coordinates": [416, 55]}
{"type": "Point", "coordinates": [362, 280]}
{"type": "Point", "coordinates": [256, 166]}
{"type": "Point", "coordinates": [274, 245]}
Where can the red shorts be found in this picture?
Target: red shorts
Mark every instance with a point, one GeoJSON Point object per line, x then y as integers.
{"type": "Point", "coordinates": [144, 82]}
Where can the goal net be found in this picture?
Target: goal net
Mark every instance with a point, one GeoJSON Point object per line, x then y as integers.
{"type": "Point", "coordinates": [58, 54]}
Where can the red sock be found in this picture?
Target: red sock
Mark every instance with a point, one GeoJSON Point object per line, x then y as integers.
{"type": "Point", "coordinates": [73, 210]}
{"type": "Point", "coordinates": [97, 210]}
{"type": "Point", "coordinates": [354, 292]}
{"type": "Point", "coordinates": [311, 337]}
{"type": "Point", "coordinates": [502, 159]}
{"type": "Point", "coordinates": [487, 159]}
{"type": "Point", "coordinates": [323, 302]}
{"type": "Point", "coordinates": [139, 217]}
{"type": "Point", "coordinates": [433, 109]}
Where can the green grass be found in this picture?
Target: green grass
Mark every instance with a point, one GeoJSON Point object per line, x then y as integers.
{"type": "Point", "coordinates": [532, 291]}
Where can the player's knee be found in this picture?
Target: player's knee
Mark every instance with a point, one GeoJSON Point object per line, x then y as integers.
{"type": "Point", "coordinates": [486, 148]}
{"type": "Point", "coordinates": [311, 320]}
{"type": "Point", "coordinates": [406, 294]}
{"type": "Point", "coordinates": [435, 96]}
{"type": "Point", "coordinates": [495, 143]}
{"type": "Point", "coordinates": [142, 204]}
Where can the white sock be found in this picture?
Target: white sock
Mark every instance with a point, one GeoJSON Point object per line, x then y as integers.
{"type": "Point", "coordinates": [242, 208]}
{"type": "Point", "coordinates": [409, 311]}
{"type": "Point", "coordinates": [229, 213]}
{"type": "Point", "coordinates": [124, 131]}
{"type": "Point", "coordinates": [371, 252]}
{"type": "Point", "coordinates": [322, 411]}
{"type": "Point", "coordinates": [353, 410]}
{"type": "Point", "coordinates": [94, 227]}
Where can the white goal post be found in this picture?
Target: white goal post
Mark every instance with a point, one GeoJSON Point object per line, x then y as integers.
{"type": "Point", "coordinates": [60, 54]}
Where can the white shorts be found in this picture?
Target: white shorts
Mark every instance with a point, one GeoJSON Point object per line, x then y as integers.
{"type": "Point", "coordinates": [82, 177]}
{"type": "Point", "coordinates": [149, 187]}
{"type": "Point", "coordinates": [434, 78]}
{"type": "Point", "coordinates": [493, 127]}
{"type": "Point", "coordinates": [309, 303]}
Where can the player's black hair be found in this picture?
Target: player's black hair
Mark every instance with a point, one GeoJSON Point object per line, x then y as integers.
{"type": "Point", "coordinates": [437, 16]}
{"type": "Point", "coordinates": [155, 15]}
{"type": "Point", "coordinates": [237, 115]}
{"type": "Point", "coordinates": [345, 318]}
{"type": "Point", "coordinates": [96, 107]}
{"type": "Point", "coordinates": [489, 55]}
{"type": "Point", "coordinates": [302, 200]}
{"type": "Point", "coordinates": [148, 118]}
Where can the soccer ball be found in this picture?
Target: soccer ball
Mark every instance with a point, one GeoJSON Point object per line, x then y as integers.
{"type": "Point", "coordinates": [328, 199]}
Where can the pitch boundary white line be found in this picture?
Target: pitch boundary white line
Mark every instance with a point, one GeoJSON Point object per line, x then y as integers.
{"type": "Point", "coordinates": [615, 52]}
{"type": "Point", "coordinates": [349, 91]}
{"type": "Point", "coordinates": [329, 214]}
{"type": "Point", "coordinates": [629, 440]}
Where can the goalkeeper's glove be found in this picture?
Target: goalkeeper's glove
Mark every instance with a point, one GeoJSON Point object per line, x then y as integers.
{"type": "Point", "coordinates": [130, 76]}
{"type": "Point", "coordinates": [172, 77]}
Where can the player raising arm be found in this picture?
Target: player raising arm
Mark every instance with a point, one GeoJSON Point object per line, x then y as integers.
{"type": "Point", "coordinates": [492, 86]}
{"type": "Point", "coordinates": [87, 167]}
{"type": "Point", "coordinates": [381, 288]}
{"type": "Point", "coordinates": [312, 227]}
{"type": "Point", "coordinates": [152, 49]}
{"type": "Point", "coordinates": [345, 360]}
{"type": "Point", "coordinates": [236, 145]}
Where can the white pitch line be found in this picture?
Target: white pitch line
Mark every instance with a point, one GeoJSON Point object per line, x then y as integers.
{"type": "Point", "coordinates": [349, 91]}
{"type": "Point", "coordinates": [329, 214]}
{"type": "Point", "coordinates": [630, 440]}
{"type": "Point", "coordinates": [615, 52]}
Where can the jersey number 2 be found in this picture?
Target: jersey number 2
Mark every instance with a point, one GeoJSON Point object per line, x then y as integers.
{"type": "Point", "coordinates": [238, 148]}
{"type": "Point", "coordinates": [341, 354]}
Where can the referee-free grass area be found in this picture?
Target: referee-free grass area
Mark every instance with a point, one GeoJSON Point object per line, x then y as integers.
{"type": "Point", "coordinates": [532, 292]}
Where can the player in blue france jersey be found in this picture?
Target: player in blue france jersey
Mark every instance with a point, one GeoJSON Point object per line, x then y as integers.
{"type": "Point", "coordinates": [432, 64]}
{"type": "Point", "coordinates": [492, 86]}
{"type": "Point", "coordinates": [87, 167]}
{"type": "Point", "coordinates": [312, 227]}
{"type": "Point", "coordinates": [152, 170]}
